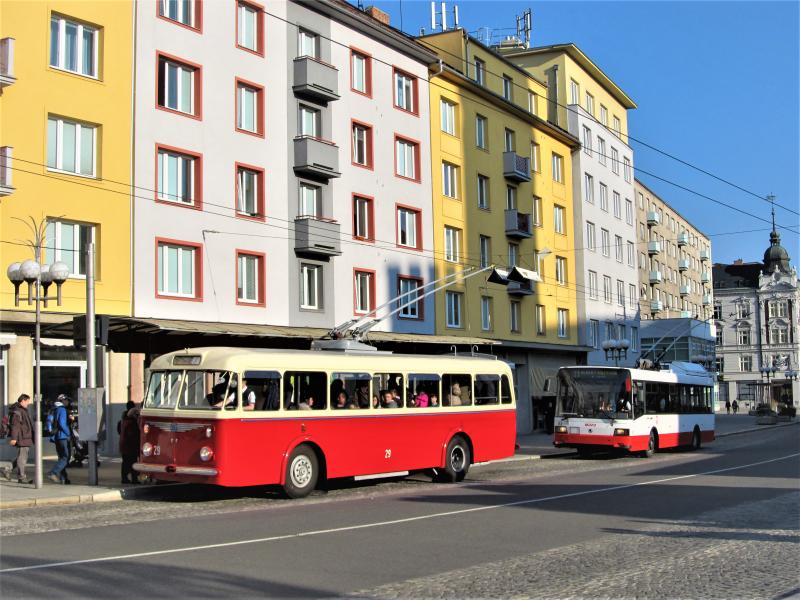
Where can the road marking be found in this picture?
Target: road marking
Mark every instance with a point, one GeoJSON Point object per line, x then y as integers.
{"type": "Point", "coordinates": [462, 511]}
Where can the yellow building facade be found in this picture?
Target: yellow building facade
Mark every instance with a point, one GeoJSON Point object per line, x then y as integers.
{"type": "Point", "coordinates": [502, 195]}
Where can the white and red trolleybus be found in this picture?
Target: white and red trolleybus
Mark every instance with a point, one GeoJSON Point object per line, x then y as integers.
{"type": "Point", "coordinates": [638, 410]}
{"type": "Point", "coordinates": [241, 417]}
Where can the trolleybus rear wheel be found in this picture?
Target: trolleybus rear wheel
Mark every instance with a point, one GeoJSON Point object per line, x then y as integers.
{"type": "Point", "coordinates": [697, 441]}
{"type": "Point", "coordinates": [456, 460]}
{"type": "Point", "coordinates": [302, 472]}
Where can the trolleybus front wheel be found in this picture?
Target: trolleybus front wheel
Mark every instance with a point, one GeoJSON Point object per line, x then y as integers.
{"type": "Point", "coordinates": [696, 439]}
{"type": "Point", "coordinates": [302, 472]}
{"type": "Point", "coordinates": [652, 445]}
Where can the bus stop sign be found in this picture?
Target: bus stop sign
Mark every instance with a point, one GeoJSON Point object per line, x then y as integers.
{"type": "Point", "coordinates": [90, 413]}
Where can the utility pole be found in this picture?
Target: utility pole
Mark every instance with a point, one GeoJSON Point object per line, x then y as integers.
{"type": "Point", "coordinates": [91, 354]}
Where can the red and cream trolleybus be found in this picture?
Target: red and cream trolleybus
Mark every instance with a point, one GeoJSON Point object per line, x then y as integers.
{"type": "Point", "coordinates": [638, 410]}
{"type": "Point", "coordinates": [242, 417]}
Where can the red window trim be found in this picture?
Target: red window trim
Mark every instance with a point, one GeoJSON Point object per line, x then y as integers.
{"type": "Point", "coordinates": [372, 296]}
{"type": "Point", "coordinates": [260, 200]}
{"type": "Point", "coordinates": [262, 280]}
{"type": "Point", "coordinates": [197, 83]}
{"type": "Point", "coordinates": [259, 110]}
{"type": "Point", "coordinates": [198, 269]}
{"type": "Point", "coordinates": [370, 145]}
{"type": "Point", "coordinates": [414, 112]}
{"type": "Point", "coordinates": [259, 26]}
{"type": "Point", "coordinates": [370, 218]}
{"type": "Point", "coordinates": [198, 177]}
{"type": "Point", "coordinates": [367, 71]}
{"type": "Point", "coordinates": [417, 169]}
{"type": "Point", "coordinates": [418, 212]}
{"type": "Point", "coordinates": [198, 17]}
{"type": "Point", "coordinates": [420, 301]}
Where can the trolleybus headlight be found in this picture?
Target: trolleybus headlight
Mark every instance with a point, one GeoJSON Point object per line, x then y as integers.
{"type": "Point", "coordinates": [206, 453]}
{"type": "Point", "coordinates": [146, 428]}
{"type": "Point", "coordinates": [147, 449]}
{"type": "Point", "coordinates": [620, 431]}
{"type": "Point", "coordinates": [209, 431]}
{"type": "Point", "coordinates": [561, 429]}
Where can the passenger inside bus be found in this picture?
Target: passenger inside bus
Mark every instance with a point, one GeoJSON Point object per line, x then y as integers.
{"type": "Point", "coordinates": [342, 401]}
{"type": "Point", "coordinates": [307, 404]}
{"type": "Point", "coordinates": [248, 396]}
{"type": "Point", "coordinates": [388, 400]}
{"type": "Point", "coordinates": [224, 392]}
{"type": "Point", "coordinates": [362, 394]}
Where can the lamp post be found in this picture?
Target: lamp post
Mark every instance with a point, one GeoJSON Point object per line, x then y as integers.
{"type": "Point", "coordinates": [616, 349]}
{"type": "Point", "coordinates": [39, 279]}
{"type": "Point", "coordinates": [768, 373]}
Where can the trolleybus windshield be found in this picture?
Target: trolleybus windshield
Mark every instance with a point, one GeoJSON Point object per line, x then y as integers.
{"type": "Point", "coordinates": [604, 393]}
{"type": "Point", "coordinates": [192, 390]}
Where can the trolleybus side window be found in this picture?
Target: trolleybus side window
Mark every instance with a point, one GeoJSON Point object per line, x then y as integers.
{"type": "Point", "coordinates": [306, 390]}
{"type": "Point", "coordinates": [456, 390]}
{"type": "Point", "coordinates": [387, 390]}
{"type": "Point", "coordinates": [505, 390]}
{"type": "Point", "coordinates": [354, 386]}
{"type": "Point", "coordinates": [209, 390]}
{"type": "Point", "coordinates": [265, 386]}
{"type": "Point", "coordinates": [163, 388]}
{"type": "Point", "coordinates": [422, 390]}
{"type": "Point", "coordinates": [487, 389]}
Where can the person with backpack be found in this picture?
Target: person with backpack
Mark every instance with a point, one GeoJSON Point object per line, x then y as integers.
{"type": "Point", "coordinates": [58, 425]}
{"type": "Point", "coordinates": [20, 433]}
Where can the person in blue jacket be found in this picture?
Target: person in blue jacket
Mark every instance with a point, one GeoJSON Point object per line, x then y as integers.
{"type": "Point", "coordinates": [60, 438]}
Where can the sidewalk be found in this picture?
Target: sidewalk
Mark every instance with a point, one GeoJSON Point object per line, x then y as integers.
{"type": "Point", "coordinates": [15, 495]}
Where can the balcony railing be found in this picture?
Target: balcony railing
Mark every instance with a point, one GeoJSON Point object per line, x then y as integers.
{"type": "Point", "coordinates": [655, 276]}
{"type": "Point", "coordinates": [683, 239]}
{"type": "Point", "coordinates": [705, 255]}
{"type": "Point", "coordinates": [686, 314]}
{"type": "Point", "coordinates": [705, 277]}
{"type": "Point", "coordinates": [683, 264]}
{"type": "Point", "coordinates": [315, 79]}
{"type": "Point", "coordinates": [316, 236]}
{"type": "Point", "coordinates": [6, 172]}
{"type": "Point", "coordinates": [654, 247]}
{"type": "Point", "coordinates": [518, 225]}
{"type": "Point", "coordinates": [686, 290]}
{"type": "Point", "coordinates": [653, 218]}
{"type": "Point", "coordinates": [7, 62]}
{"type": "Point", "coordinates": [656, 306]}
{"type": "Point", "coordinates": [516, 167]}
{"type": "Point", "coordinates": [316, 157]}
{"type": "Point", "coordinates": [516, 288]}
{"type": "Point", "coordinates": [707, 300]}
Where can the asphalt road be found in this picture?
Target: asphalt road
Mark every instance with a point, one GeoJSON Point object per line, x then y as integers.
{"type": "Point", "coordinates": [670, 526]}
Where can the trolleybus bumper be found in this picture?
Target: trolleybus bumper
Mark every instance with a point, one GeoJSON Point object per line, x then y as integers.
{"type": "Point", "coordinates": [202, 471]}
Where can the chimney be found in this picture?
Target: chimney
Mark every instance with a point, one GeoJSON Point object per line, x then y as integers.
{"type": "Point", "coordinates": [377, 13]}
{"type": "Point", "coordinates": [738, 261]}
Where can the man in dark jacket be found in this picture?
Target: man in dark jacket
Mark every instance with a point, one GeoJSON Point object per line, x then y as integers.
{"type": "Point", "coordinates": [20, 437]}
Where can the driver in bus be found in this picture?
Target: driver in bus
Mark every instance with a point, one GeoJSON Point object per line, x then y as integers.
{"type": "Point", "coordinates": [248, 397]}
{"type": "Point", "coordinates": [623, 405]}
{"type": "Point", "coordinates": [217, 396]}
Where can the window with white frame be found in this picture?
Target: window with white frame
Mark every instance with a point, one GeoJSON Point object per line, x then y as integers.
{"type": "Point", "coordinates": [743, 337]}
{"type": "Point", "coordinates": [536, 164]}
{"type": "Point", "coordinates": [360, 66]}
{"type": "Point", "coordinates": [591, 239]}
{"type": "Point", "coordinates": [587, 140]}
{"type": "Point", "coordinates": [593, 333]}
{"type": "Point", "coordinates": [480, 71]}
{"type": "Point", "coordinates": [634, 339]}
{"type": "Point", "coordinates": [177, 175]}
{"type": "Point", "coordinates": [307, 43]}
{"type": "Point", "coordinates": [452, 244]}
{"type": "Point", "coordinates": [558, 168]}
{"type": "Point", "coordinates": [309, 120]}
{"type": "Point", "coordinates": [310, 200]}
{"type": "Point", "coordinates": [364, 291]}
{"type": "Point", "coordinates": [509, 143]}
{"type": "Point", "coordinates": [558, 219]}
{"type": "Point", "coordinates": [631, 254]}
{"type": "Point", "coordinates": [406, 158]}
{"type": "Point", "coordinates": [601, 150]}
{"type": "Point", "coordinates": [362, 218]}
{"type": "Point", "coordinates": [607, 289]}
{"type": "Point", "coordinates": [310, 286]}
{"type": "Point", "coordinates": [481, 131]}
{"type": "Point", "coordinates": [66, 241]}
{"type": "Point", "coordinates": [632, 295]}
{"type": "Point", "coordinates": [405, 91]}
{"type": "Point", "coordinates": [362, 145]}
{"type": "Point", "coordinates": [574, 92]}
{"type": "Point", "coordinates": [532, 102]}
{"type": "Point", "coordinates": [176, 85]}
{"type": "Point", "coordinates": [249, 192]}
{"type": "Point", "coordinates": [407, 227]}
{"type": "Point", "coordinates": [561, 270]}
{"type": "Point", "coordinates": [617, 205]}
{"type": "Point", "coordinates": [483, 191]}
{"type": "Point", "coordinates": [538, 263]}
{"type": "Point", "coordinates": [615, 161]}
{"type": "Point", "coordinates": [181, 11]}
{"type": "Point", "coordinates": [73, 46]}
{"type": "Point", "coordinates": [603, 197]}
{"type": "Point", "coordinates": [604, 115]}
{"type": "Point", "coordinates": [777, 308]}
{"type": "Point", "coordinates": [628, 212]}
{"type": "Point", "coordinates": [541, 323]}
{"type": "Point", "coordinates": [617, 125]}
{"type": "Point", "coordinates": [742, 311]}
{"type": "Point", "coordinates": [409, 294]}
{"type": "Point", "coordinates": [511, 197]}
{"type": "Point", "coordinates": [627, 169]}
{"type": "Point", "coordinates": [508, 87]}
{"type": "Point", "coordinates": [779, 335]}
{"type": "Point", "coordinates": [515, 316]}
{"type": "Point", "coordinates": [449, 180]}
{"type": "Point", "coordinates": [177, 266]}
{"type": "Point", "coordinates": [485, 249]}
{"type": "Point", "coordinates": [513, 254]}
{"type": "Point", "coordinates": [589, 103]}
{"type": "Point", "coordinates": [746, 363]}
{"type": "Point", "coordinates": [248, 113]}
{"type": "Point", "coordinates": [593, 285]}
{"type": "Point", "coordinates": [448, 114]}
{"type": "Point", "coordinates": [588, 187]}
{"type": "Point", "coordinates": [248, 288]}
{"type": "Point", "coordinates": [537, 211]}
{"type": "Point", "coordinates": [605, 242]}
{"type": "Point", "coordinates": [71, 146]}
{"type": "Point", "coordinates": [453, 308]}
{"type": "Point", "coordinates": [620, 292]}
{"type": "Point", "coordinates": [248, 27]}
{"type": "Point", "coordinates": [563, 322]}
{"type": "Point", "coordinates": [486, 313]}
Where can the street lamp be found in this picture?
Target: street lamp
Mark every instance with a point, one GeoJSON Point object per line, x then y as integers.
{"type": "Point", "coordinates": [39, 279]}
{"type": "Point", "coordinates": [616, 349]}
{"type": "Point", "coordinates": [768, 373]}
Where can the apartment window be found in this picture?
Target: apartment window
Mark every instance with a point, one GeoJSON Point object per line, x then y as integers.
{"type": "Point", "coordinates": [480, 71]}
{"type": "Point", "coordinates": [405, 91]}
{"type": "Point", "coordinates": [746, 363]}
{"type": "Point", "coordinates": [632, 295]}
{"type": "Point", "coordinates": [742, 311]}
{"type": "Point", "coordinates": [364, 286]}
{"type": "Point", "coordinates": [483, 192]}
{"type": "Point", "coordinates": [309, 120]}
{"type": "Point", "coordinates": [631, 254]}
{"type": "Point", "coordinates": [593, 285]}
{"type": "Point", "coordinates": [310, 201]}
{"type": "Point", "coordinates": [627, 169]}
{"type": "Point", "coordinates": [617, 205]}
{"type": "Point", "coordinates": [588, 187]}
{"type": "Point", "coordinates": [178, 270]}
{"type": "Point", "coordinates": [448, 114]}
{"type": "Point", "coordinates": [603, 197]}
{"type": "Point", "coordinates": [307, 43]}
{"type": "Point", "coordinates": [601, 150]}
{"type": "Point", "coordinates": [617, 125]}
{"type": "Point", "coordinates": [511, 197]}
{"type": "Point", "coordinates": [563, 318]}
{"type": "Point", "coordinates": [615, 161]}
{"type": "Point", "coordinates": [607, 289]}
{"type": "Point", "coordinates": [178, 177]}
{"type": "Point", "coordinates": [249, 107]}
{"type": "Point", "coordinates": [538, 263]}
{"type": "Point", "coordinates": [531, 102]}
{"type": "Point", "coordinates": [779, 336]}
{"type": "Point", "coordinates": [452, 244]}
{"type": "Point", "coordinates": [186, 12]}
{"type": "Point", "coordinates": [719, 337]}
{"type": "Point", "coordinates": [250, 278]}
{"type": "Point", "coordinates": [605, 242]}
{"type": "Point", "coordinates": [634, 339]}
{"type": "Point", "coordinates": [604, 115]}
{"type": "Point", "coordinates": [561, 270]}
{"type": "Point", "coordinates": [641, 200]}
{"type": "Point", "coordinates": [178, 86]}
{"type": "Point", "coordinates": [514, 313]}
{"type": "Point", "coordinates": [591, 241]}
{"type": "Point", "coordinates": [485, 249]}
{"type": "Point", "coordinates": [486, 313]}
{"type": "Point", "coordinates": [558, 219]}
{"type": "Point", "coordinates": [363, 219]}
{"type": "Point", "coordinates": [536, 164]}
{"type": "Point", "coordinates": [250, 27]}
{"type": "Point", "coordinates": [642, 261]}
{"type": "Point", "coordinates": [541, 324]}
{"type": "Point", "coordinates": [620, 292]}
{"type": "Point", "coordinates": [249, 192]}
{"type": "Point", "coordinates": [587, 140]}
{"type": "Point", "coordinates": [408, 289]}
{"type": "Point", "coordinates": [310, 286]}
{"type": "Point", "coordinates": [777, 309]}
{"type": "Point", "coordinates": [508, 86]}
{"type": "Point", "coordinates": [453, 303]}
{"type": "Point", "coordinates": [558, 168]}
{"type": "Point", "coordinates": [513, 255]}
{"type": "Point", "coordinates": [406, 157]}
{"type": "Point", "coordinates": [481, 128]}
{"type": "Point", "coordinates": [628, 212]}
{"type": "Point", "coordinates": [589, 103]}
{"type": "Point", "coordinates": [67, 242]}
{"type": "Point", "coordinates": [743, 337]}
{"type": "Point", "coordinates": [593, 333]}
{"type": "Point", "coordinates": [574, 92]}
{"type": "Point", "coordinates": [360, 73]}
{"type": "Point", "coordinates": [362, 145]}
{"type": "Point", "coordinates": [73, 46]}
{"type": "Point", "coordinates": [409, 228]}
{"type": "Point", "coordinates": [449, 180]}
{"type": "Point", "coordinates": [537, 211]}
{"type": "Point", "coordinates": [509, 144]}
{"type": "Point", "coordinates": [71, 146]}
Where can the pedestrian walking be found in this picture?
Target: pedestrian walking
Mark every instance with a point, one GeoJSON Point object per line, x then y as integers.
{"type": "Point", "coordinates": [728, 406]}
{"type": "Point", "coordinates": [735, 406]}
{"type": "Point", "coordinates": [128, 428]}
{"type": "Point", "coordinates": [20, 437]}
{"type": "Point", "coordinates": [59, 415]}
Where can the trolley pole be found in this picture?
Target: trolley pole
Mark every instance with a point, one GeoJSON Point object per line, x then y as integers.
{"type": "Point", "coordinates": [91, 354]}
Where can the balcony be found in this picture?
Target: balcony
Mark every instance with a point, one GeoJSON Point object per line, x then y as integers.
{"type": "Point", "coordinates": [655, 276]}
{"type": "Point", "coordinates": [705, 277]}
{"type": "Point", "coordinates": [7, 62]}
{"type": "Point", "coordinates": [683, 239]}
{"type": "Point", "coordinates": [516, 288]}
{"type": "Point", "coordinates": [516, 167]}
{"type": "Point", "coordinates": [653, 218]}
{"type": "Point", "coordinates": [707, 300]}
{"type": "Point", "coordinates": [316, 157]}
{"type": "Point", "coordinates": [656, 306]}
{"type": "Point", "coordinates": [315, 79]}
{"type": "Point", "coordinates": [705, 255]}
{"type": "Point", "coordinates": [653, 248]}
{"type": "Point", "coordinates": [686, 314]}
{"type": "Point", "coordinates": [5, 171]}
{"type": "Point", "coordinates": [683, 264]}
{"type": "Point", "coordinates": [316, 236]}
{"type": "Point", "coordinates": [686, 290]}
{"type": "Point", "coordinates": [518, 225]}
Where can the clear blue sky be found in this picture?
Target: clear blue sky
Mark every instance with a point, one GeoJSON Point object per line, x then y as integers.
{"type": "Point", "coordinates": [716, 84]}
